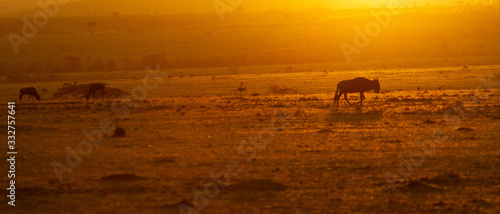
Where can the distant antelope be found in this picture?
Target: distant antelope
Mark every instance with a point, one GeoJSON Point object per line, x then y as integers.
{"type": "Point", "coordinates": [242, 88]}
{"type": "Point", "coordinates": [191, 76]}
{"type": "Point", "coordinates": [95, 87]}
{"type": "Point", "coordinates": [181, 76]}
{"type": "Point", "coordinates": [170, 77]}
{"type": "Point", "coordinates": [29, 91]}
{"type": "Point", "coordinates": [44, 90]}
{"type": "Point", "coordinates": [465, 68]}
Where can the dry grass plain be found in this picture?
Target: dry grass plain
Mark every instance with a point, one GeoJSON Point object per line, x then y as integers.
{"type": "Point", "coordinates": [311, 157]}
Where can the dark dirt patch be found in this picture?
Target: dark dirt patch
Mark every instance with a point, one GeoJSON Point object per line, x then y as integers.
{"type": "Point", "coordinates": [122, 177]}
{"type": "Point", "coordinates": [258, 185]}
{"type": "Point", "coordinates": [439, 182]}
{"type": "Point", "coordinates": [465, 129]}
{"type": "Point", "coordinates": [36, 191]}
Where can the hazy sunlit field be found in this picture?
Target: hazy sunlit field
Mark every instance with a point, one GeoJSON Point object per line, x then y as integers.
{"type": "Point", "coordinates": [314, 157]}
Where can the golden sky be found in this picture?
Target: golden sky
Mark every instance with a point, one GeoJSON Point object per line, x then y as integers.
{"type": "Point", "coordinates": [202, 6]}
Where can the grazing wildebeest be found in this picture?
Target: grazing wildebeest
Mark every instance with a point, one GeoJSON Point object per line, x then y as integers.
{"type": "Point", "coordinates": [29, 91]}
{"type": "Point", "coordinates": [95, 87]}
{"type": "Point", "coordinates": [242, 88]}
{"type": "Point", "coordinates": [44, 90]}
{"type": "Point", "coordinates": [356, 85]}
{"type": "Point", "coordinates": [191, 76]}
{"type": "Point", "coordinates": [181, 76]}
{"type": "Point", "coordinates": [170, 77]}
{"type": "Point", "coordinates": [465, 68]}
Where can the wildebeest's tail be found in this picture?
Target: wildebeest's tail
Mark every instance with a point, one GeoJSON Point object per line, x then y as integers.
{"type": "Point", "coordinates": [336, 93]}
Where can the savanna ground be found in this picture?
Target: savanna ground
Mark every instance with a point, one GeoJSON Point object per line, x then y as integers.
{"type": "Point", "coordinates": [311, 157]}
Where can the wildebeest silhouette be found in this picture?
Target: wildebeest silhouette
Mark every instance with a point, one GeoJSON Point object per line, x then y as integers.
{"type": "Point", "coordinates": [356, 85]}
{"type": "Point", "coordinates": [29, 91]}
{"type": "Point", "coordinates": [465, 68]}
{"type": "Point", "coordinates": [96, 87]}
{"type": "Point", "coordinates": [242, 88]}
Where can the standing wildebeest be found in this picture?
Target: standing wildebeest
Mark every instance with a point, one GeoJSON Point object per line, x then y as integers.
{"type": "Point", "coordinates": [95, 87]}
{"type": "Point", "coordinates": [29, 91]}
{"type": "Point", "coordinates": [356, 85]}
{"type": "Point", "coordinates": [465, 68]}
{"type": "Point", "coordinates": [242, 88]}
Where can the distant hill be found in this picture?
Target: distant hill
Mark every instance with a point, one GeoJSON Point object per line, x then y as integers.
{"type": "Point", "coordinates": [104, 8]}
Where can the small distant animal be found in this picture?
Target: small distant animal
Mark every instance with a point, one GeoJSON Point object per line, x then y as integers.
{"type": "Point", "coordinates": [440, 88]}
{"type": "Point", "coordinates": [44, 90]}
{"type": "Point", "coordinates": [61, 47]}
{"type": "Point", "coordinates": [28, 91]}
{"type": "Point", "coordinates": [96, 87]}
{"type": "Point", "coordinates": [356, 85]}
{"type": "Point", "coordinates": [209, 34]}
{"type": "Point", "coordinates": [191, 76]}
{"type": "Point", "coordinates": [181, 76]}
{"type": "Point", "coordinates": [242, 88]}
{"type": "Point", "coordinates": [465, 68]}
{"type": "Point", "coordinates": [325, 71]}
{"type": "Point", "coordinates": [170, 77]}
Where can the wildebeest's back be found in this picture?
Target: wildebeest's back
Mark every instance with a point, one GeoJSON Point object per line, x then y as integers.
{"type": "Point", "coordinates": [29, 90]}
{"type": "Point", "coordinates": [358, 84]}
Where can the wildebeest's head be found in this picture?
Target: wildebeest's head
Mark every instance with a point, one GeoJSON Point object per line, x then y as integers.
{"type": "Point", "coordinates": [376, 85]}
{"type": "Point", "coordinates": [37, 96]}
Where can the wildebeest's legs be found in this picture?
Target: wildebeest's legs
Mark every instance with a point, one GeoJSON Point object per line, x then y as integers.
{"type": "Point", "coordinates": [345, 97]}
{"type": "Point", "coordinates": [361, 97]}
{"type": "Point", "coordinates": [105, 95]}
